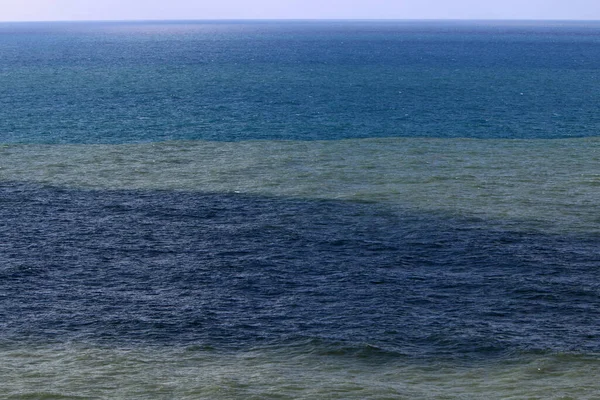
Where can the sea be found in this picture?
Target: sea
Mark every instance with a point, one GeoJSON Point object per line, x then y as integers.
{"type": "Point", "coordinates": [300, 210]}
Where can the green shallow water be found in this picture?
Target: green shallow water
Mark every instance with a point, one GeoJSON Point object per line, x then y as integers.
{"type": "Point", "coordinates": [72, 371]}
{"type": "Point", "coordinates": [548, 185]}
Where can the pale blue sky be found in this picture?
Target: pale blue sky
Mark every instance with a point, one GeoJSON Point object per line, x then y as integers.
{"type": "Point", "coordinates": [41, 10]}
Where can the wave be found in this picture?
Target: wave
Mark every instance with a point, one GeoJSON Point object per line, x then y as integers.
{"type": "Point", "coordinates": [78, 371]}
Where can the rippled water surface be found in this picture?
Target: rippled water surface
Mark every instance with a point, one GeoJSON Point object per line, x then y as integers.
{"type": "Point", "coordinates": [367, 210]}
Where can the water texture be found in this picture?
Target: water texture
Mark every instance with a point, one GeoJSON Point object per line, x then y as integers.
{"type": "Point", "coordinates": [145, 82]}
{"type": "Point", "coordinates": [299, 210]}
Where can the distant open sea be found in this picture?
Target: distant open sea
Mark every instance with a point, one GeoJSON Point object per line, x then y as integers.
{"type": "Point", "coordinates": [300, 210]}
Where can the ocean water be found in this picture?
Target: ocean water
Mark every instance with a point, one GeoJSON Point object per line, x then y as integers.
{"type": "Point", "coordinates": [300, 210]}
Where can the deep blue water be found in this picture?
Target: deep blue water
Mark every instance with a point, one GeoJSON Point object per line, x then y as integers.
{"type": "Point", "coordinates": [143, 82]}
{"type": "Point", "coordinates": [232, 269]}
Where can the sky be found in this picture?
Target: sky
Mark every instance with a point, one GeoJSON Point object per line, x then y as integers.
{"type": "Point", "coordinates": [64, 10]}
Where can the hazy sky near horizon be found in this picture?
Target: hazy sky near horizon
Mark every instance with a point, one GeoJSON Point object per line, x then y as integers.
{"type": "Point", "coordinates": [48, 10]}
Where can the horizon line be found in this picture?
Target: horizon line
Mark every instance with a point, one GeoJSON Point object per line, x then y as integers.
{"type": "Point", "coordinates": [307, 20]}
